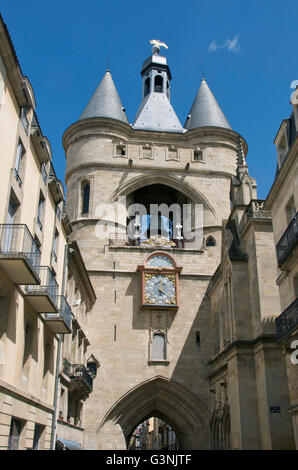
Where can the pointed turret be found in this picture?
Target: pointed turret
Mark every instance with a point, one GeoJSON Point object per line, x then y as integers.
{"type": "Point", "coordinates": [105, 102]}
{"type": "Point", "coordinates": [205, 110]}
{"type": "Point", "coordinates": [155, 112]}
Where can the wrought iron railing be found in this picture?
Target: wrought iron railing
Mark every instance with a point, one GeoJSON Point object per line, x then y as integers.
{"type": "Point", "coordinates": [38, 221]}
{"type": "Point", "coordinates": [288, 241]}
{"type": "Point", "coordinates": [64, 311]}
{"type": "Point", "coordinates": [48, 284]}
{"type": "Point", "coordinates": [77, 372]}
{"type": "Point", "coordinates": [16, 239]}
{"type": "Point", "coordinates": [287, 321]}
{"type": "Point", "coordinates": [17, 177]}
{"type": "Point", "coordinates": [54, 256]}
{"type": "Point", "coordinates": [80, 372]}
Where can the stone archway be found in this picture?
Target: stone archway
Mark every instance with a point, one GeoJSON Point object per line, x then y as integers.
{"type": "Point", "coordinates": [158, 177]}
{"type": "Point", "coordinates": [165, 399]}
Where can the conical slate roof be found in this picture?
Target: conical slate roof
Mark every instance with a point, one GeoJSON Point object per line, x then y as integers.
{"type": "Point", "coordinates": [157, 114]}
{"type": "Point", "coordinates": [105, 102]}
{"type": "Point", "coordinates": [205, 110]}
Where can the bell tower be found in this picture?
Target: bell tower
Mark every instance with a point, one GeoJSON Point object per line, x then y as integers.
{"type": "Point", "coordinates": [151, 326]}
{"type": "Point", "coordinates": [155, 111]}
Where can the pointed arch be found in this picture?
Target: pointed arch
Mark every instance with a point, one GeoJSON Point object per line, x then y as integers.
{"type": "Point", "coordinates": [158, 84]}
{"type": "Point", "coordinates": [157, 177]}
{"type": "Point", "coordinates": [167, 400]}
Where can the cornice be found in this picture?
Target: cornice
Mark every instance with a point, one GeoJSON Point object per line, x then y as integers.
{"type": "Point", "coordinates": [114, 127]}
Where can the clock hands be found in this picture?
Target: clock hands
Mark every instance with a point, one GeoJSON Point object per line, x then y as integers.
{"type": "Point", "coordinates": [161, 289]}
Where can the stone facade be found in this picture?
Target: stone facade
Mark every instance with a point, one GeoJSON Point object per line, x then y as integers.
{"type": "Point", "coordinates": [221, 359]}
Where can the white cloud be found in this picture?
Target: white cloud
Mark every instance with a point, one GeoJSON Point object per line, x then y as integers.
{"type": "Point", "coordinates": [213, 46]}
{"type": "Point", "coordinates": [230, 44]}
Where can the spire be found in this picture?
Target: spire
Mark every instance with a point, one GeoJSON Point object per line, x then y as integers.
{"type": "Point", "coordinates": [155, 111]}
{"type": "Point", "coordinates": [105, 102]}
{"type": "Point", "coordinates": [205, 110]}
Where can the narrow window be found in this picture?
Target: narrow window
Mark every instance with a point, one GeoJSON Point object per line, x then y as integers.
{"type": "Point", "coordinates": [24, 120]}
{"type": "Point", "coordinates": [44, 173]}
{"type": "Point", "coordinates": [40, 210]}
{"type": "Point", "coordinates": [55, 245]}
{"type": "Point", "coordinates": [210, 241]}
{"type": "Point", "coordinates": [159, 347]}
{"type": "Point", "coordinates": [146, 151]}
{"type": "Point", "coordinates": [9, 242]}
{"type": "Point", "coordinates": [290, 210]}
{"type": "Point", "coordinates": [19, 155]}
{"type": "Point", "coordinates": [158, 84]}
{"type": "Point", "coordinates": [147, 87]}
{"type": "Point", "coordinates": [172, 154]}
{"type": "Point", "coordinates": [12, 208]}
{"type": "Point", "coordinates": [121, 150]}
{"type": "Point", "coordinates": [168, 90]}
{"type": "Point", "coordinates": [198, 156]}
{"type": "Point", "coordinates": [85, 197]}
{"type": "Point", "coordinates": [37, 436]}
{"type": "Point", "coordinates": [14, 434]}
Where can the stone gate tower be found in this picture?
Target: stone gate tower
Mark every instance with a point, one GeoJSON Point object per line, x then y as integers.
{"type": "Point", "coordinates": [151, 325]}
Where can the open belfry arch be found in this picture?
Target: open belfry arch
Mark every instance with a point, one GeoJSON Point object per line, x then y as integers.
{"type": "Point", "coordinates": [179, 344]}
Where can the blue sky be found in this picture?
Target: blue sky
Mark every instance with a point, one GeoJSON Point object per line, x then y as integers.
{"type": "Point", "coordinates": [248, 48]}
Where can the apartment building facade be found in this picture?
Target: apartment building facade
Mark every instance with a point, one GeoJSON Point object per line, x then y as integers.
{"type": "Point", "coordinates": [34, 266]}
{"type": "Point", "coordinates": [282, 201]}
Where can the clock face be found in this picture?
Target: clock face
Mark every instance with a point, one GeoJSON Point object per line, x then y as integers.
{"type": "Point", "coordinates": [160, 289]}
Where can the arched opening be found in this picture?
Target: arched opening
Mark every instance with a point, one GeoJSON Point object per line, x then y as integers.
{"type": "Point", "coordinates": [168, 89]}
{"type": "Point", "coordinates": [210, 241]}
{"type": "Point", "coordinates": [159, 352]}
{"type": "Point", "coordinates": [161, 398]}
{"type": "Point", "coordinates": [153, 434]}
{"type": "Point", "coordinates": [85, 195]}
{"type": "Point", "coordinates": [147, 86]}
{"type": "Point", "coordinates": [160, 214]}
{"type": "Point", "coordinates": [158, 188]}
{"type": "Point", "coordinates": [158, 84]}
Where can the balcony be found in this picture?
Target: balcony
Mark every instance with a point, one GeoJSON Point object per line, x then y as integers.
{"type": "Point", "coordinates": [17, 177]}
{"type": "Point", "coordinates": [60, 323]}
{"type": "Point", "coordinates": [288, 241]}
{"type": "Point", "coordinates": [54, 186]}
{"type": "Point", "coordinates": [287, 322]}
{"type": "Point", "coordinates": [43, 298]}
{"type": "Point", "coordinates": [81, 382]}
{"type": "Point", "coordinates": [19, 254]}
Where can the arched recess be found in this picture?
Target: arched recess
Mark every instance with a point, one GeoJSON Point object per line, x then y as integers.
{"type": "Point", "coordinates": [168, 180]}
{"type": "Point", "coordinates": [165, 399]}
